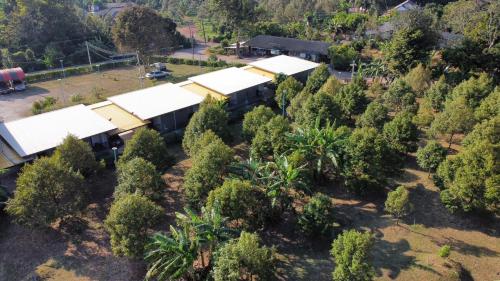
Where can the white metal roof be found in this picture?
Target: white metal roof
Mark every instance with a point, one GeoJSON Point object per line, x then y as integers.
{"type": "Point", "coordinates": [229, 80]}
{"type": "Point", "coordinates": [284, 64]}
{"type": "Point", "coordinates": [45, 131]}
{"type": "Point", "coordinates": [155, 101]}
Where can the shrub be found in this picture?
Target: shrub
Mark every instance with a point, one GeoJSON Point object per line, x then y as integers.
{"type": "Point", "coordinates": [44, 105]}
{"type": "Point", "coordinates": [444, 251]}
{"type": "Point", "coordinates": [150, 146]}
{"type": "Point", "coordinates": [138, 176]}
{"type": "Point", "coordinates": [317, 217]}
{"type": "Point", "coordinates": [128, 222]}
{"type": "Point", "coordinates": [351, 254]}
{"type": "Point", "coordinates": [78, 155]}
{"type": "Point", "coordinates": [255, 119]}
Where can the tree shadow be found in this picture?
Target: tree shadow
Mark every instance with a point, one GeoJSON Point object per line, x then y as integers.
{"type": "Point", "coordinates": [390, 256]}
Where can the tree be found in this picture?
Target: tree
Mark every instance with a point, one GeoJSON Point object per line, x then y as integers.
{"type": "Point", "coordinates": [150, 146]}
{"type": "Point", "coordinates": [253, 120]}
{"type": "Point", "coordinates": [331, 86]}
{"type": "Point", "coordinates": [430, 156]}
{"type": "Point", "coordinates": [374, 116]}
{"type": "Point", "coordinates": [319, 106]}
{"type": "Point", "coordinates": [286, 91]}
{"type": "Point", "coordinates": [317, 217]}
{"type": "Point", "coordinates": [470, 179]}
{"type": "Point", "coordinates": [207, 172]}
{"type": "Point", "coordinates": [77, 155]}
{"type": "Point", "coordinates": [489, 106]}
{"type": "Point", "coordinates": [211, 116]}
{"type": "Point", "coordinates": [419, 79]}
{"type": "Point", "coordinates": [351, 98]}
{"type": "Point", "coordinates": [203, 141]}
{"type": "Point", "coordinates": [342, 56]}
{"type": "Point", "coordinates": [398, 203]}
{"type": "Point", "coordinates": [296, 104]}
{"type": "Point", "coordinates": [270, 139]}
{"type": "Point", "coordinates": [244, 257]}
{"type": "Point", "coordinates": [238, 200]}
{"type": "Point", "coordinates": [46, 191]}
{"type": "Point", "coordinates": [437, 93]}
{"type": "Point", "coordinates": [171, 257]}
{"type": "Point", "coordinates": [128, 222]}
{"type": "Point", "coordinates": [138, 176]}
{"type": "Point", "coordinates": [474, 90]}
{"type": "Point", "coordinates": [351, 254]}
{"type": "Point", "coordinates": [484, 131]}
{"type": "Point", "coordinates": [400, 96]}
{"type": "Point", "coordinates": [317, 78]}
{"type": "Point", "coordinates": [454, 119]}
{"type": "Point", "coordinates": [401, 133]}
{"type": "Point", "coordinates": [142, 29]}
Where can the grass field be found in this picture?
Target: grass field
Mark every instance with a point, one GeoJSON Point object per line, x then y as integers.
{"type": "Point", "coordinates": [87, 88]}
{"type": "Point", "coordinates": [408, 251]}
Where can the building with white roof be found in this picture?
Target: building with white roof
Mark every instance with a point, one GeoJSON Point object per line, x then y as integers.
{"type": "Point", "coordinates": [36, 134]}
{"type": "Point", "coordinates": [239, 86]}
{"type": "Point", "coordinates": [291, 66]}
{"type": "Point", "coordinates": [167, 106]}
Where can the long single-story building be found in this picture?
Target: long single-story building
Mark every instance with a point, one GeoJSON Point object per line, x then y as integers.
{"type": "Point", "coordinates": [290, 66]}
{"type": "Point", "coordinates": [267, 45]}
{"type": "Point", "coordinates": [239, 86]}
{"type": "Point", "coordinates": [41, 133]}
{"type": "Point", "coordinates": [168, 107]}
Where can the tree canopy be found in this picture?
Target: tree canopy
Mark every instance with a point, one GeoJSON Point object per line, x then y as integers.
{"type": "Point", "coordinates": [149, 145]}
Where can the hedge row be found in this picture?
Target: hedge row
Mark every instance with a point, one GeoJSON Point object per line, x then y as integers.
{"type": "Point", "coordinates": [215, 63]}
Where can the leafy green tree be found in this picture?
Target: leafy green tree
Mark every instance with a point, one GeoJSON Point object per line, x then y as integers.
{"type": "Point", "coordinates": [437, 93]}
{"type": "Point", "coordinates": [286, 91]}
{"type": "Point", "coordinates": [78, 155]}
{"type": "Point", "coordinates": [470, 179]}
{"type": "Point", "coordinates": [431, 155]}
{"type": "Point", "coordinates": [351, 254]}
{"type": "Point", "coordinates": [484, 131]}
{"type": "Point", "coordinates": [270, 139]}
{"type": "Point", "coordinates": [142, 29]}
{"type": "Point", "coordinates": [244, 257]}
{"type": "Point", "coordinates": [253, 120]}
{"type": "Point", "coordinates": [419, 79]}
{"type": "Point", "coordinates": [149, 145]}
{"type": "Point", "coordinates": [400, 96]}
{"type": "Point", "coordinates": [346, 22]}
{"type": "Point", "coordinates": [489, 106]}
{"type": "Point", "coordinates": [138, 176]}
{"type": "Point", "coordinates": [375, 116]}
{"type": "Point", "coordinates": [342, 56]}
{"type": "Point", "coordinates": [351, 98]}
{"type": "Point", "coordinates": [320, 106]}
{"type": "Point", "coordinates": [203, 141]}
{"type": "Point", "coordinates": [296, 104]}
{"type": "Point", "coordinates": [317, 78]}
{"type": "Point", "coordinates": [407, 47]}
{"type": "Point", "coordinates": [455, 119]}
{"type": "Point", "coordinates": [317, 217]}
{"type": "Point", "coordinates": [128, 222]}
{"type": "Point", "coordinates": [207, 172]}
{"type": "Point", "coordinates": [369, 159]}
{"type": "Point", "coordinates": [237, 199]}
{"type": "Point", "coordinates": [474, 89]}
{"type": "Point", "coordinates": [398, 203]}
{"type": "Point", "coordinates": [425, 114]}
{"type": "Point", "coordinates": [171, 257]}
{"type": "Point", "coordinates": [331, 86]}
{"type": "Point", "coordinates": [211, 116]}
{"type": "Point", "coordinates": [401, 133]}
{"type": "Point", "coordinates": [46, 191]}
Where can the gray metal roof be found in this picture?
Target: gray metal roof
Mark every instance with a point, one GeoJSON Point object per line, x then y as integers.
{"type": "Point", "coordinates": [288, 44]}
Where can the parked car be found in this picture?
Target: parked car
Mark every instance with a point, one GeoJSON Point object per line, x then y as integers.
{"type": "Point", "coordinates": [157, 74]}
{"type": "Point", "coordinates": [159, 66]}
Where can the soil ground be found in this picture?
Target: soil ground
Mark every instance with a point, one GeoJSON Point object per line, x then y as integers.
{"type": "Point", "coordinates": [407, 251]}
{"type": "Point", "coordinates": [87, 88]}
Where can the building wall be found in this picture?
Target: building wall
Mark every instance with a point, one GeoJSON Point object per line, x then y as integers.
{"type": "Point", "coordinates": [247, 96]}
{"type": "Point", "coordinates": [174, 120]}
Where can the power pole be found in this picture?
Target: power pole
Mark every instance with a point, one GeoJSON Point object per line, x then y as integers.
{"type": "Point", "coordinates": [88, 54]}
{"type": "Point", "coordinates": [353, 65]}
{"type": "Point", "coordinates": [141, 82]}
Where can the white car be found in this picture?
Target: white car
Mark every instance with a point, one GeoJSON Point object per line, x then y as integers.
{"type": "Point", "coordinates": [157, 74]}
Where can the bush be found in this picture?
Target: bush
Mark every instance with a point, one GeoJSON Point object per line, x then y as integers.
{"type": "Point", "coordinates": [211, 116]}
{"type": "Point", "coordinates": [46, 191]}
{"type": "Point", "coordinates": [444, 251]}
{"type": "Point", "coordinates": [77, 155]}
{"type": "Point", "coordinates": [45, 105]}
{"type": "Point", "coordinates": [138, 176]}
{"type": "Point", "coordinates": [128, 222]}
{"type": "Point", "coordinates": [237, 200]}
{"type": "Point", "coordinates": [150, 146]}
{"type": "Point", "coordinates": [317, 217]}
{"type": "Point", "coordinates": [208, 171]}
{"type": "Point", "coordinates": [255, 119]}
{"type": "Point", "coordinates": [351, 254]}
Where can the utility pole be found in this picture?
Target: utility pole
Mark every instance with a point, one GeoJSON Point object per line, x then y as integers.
{"type": "Point", "coordinates": [88, 54]}
{"type": "Point", "coordinates": [62, 68]}
{"type": "Point", "coordinates": [141, 82]}
{"type": "Point", "coordinates": [353, 65]}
